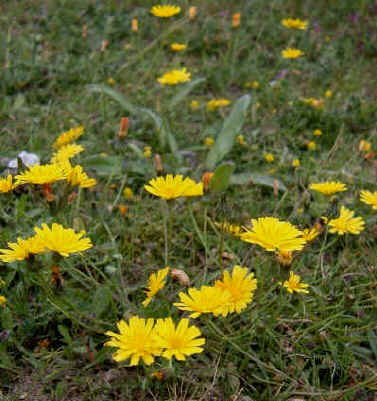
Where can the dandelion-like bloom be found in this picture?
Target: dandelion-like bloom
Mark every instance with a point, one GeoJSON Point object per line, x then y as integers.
{"type": "Point", "coordinates": [62, 240]}
{"type": "Point", "coordinates": [317, 132]}
{"type": "Point", "coordinates": [165, 11]}
{"type": "Point", "coordinates": [209, 142]}
{"type": "Point", "coordinates": [21, 249]}
{"type": "Point", "coordinates": [233, 229]}
{"type": "Point", "coordinates": [241, 140]}
{"type": "Point", "coordinates": [310, 235]}
{"type": "Point", "coordinates": [178, 47]}
{"type": "Point", "coordinates": [128, 193]}
{"type": "Point", "coordinates": [274, 235]}
{"type": "Point", "coordinates": [269, 157]}
{"type": "Point", "coordinates": [370, 198]}
{"type": "Point", "coordinates": [241, 287]}
{"type": "Point", "coordinates": [194, 104]}
{"type": "Point", "coordinates": [217, 103]}
{"type": "Point", "coordinates": [294, 285]}
{"type": "Point", "coordinates": [315, 103]}
{"type": "Point", "coordinates": [66, 152]}
{"type": "Point", "coordinates": [311, 145]}
{"type": "Point", "coordinates": [328, 187]}
{"type": "Point", "coordinates": [172, 187]}
{"type": "Point", "coordinates": [364, 146]}
{"type": "Point", "coordinates": [294, 23]}
{"type": "Point", "coordinates": [291, 53]}
{"type": "Point", "coordinates": [3, 300]}
{"type": "Point", "coordinates": [68, 137]}
{"type": "Point", "coordinates": [206, 300]}
{"type": "Point", "coordinates": [135, 340]}
{"type": "Point", "coordinates": [346, 223]}
{"type": "Point", "coordinates": [175, 77]}
{"type": "Point", "coordinates": [180, 341]}
{"type": "Point", "coordinates": [78, 177]}
{"type": "Point", "coordinates": [328, 93]}
{"type": "Point", "coordinates": [45, 174]}
{"type": "Point", "coordinates": [155, 283]}
{"type": "Point", "coordinates": [6, 184]}
{"type": "Point", "coordinates": [295, 163]}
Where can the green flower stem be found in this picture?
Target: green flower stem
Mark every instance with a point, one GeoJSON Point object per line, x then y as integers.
{"type": "Point", "coordinates": [167, 213]}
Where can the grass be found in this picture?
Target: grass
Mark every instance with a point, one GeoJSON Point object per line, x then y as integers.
{"type": "Point", "coordinates": [316, 346]}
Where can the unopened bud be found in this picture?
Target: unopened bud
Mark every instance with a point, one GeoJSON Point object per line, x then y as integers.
{"type": "Point", "coordinates": [181, 276]}
{"type": "Point", "coordinates": [158, 163]}
{"type": "Point", "coordinates": [124, 124]}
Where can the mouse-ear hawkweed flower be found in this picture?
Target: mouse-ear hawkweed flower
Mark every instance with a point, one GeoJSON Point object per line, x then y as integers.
{"type": "Point", "coordinates": [77, 176]}
{"type": "Point", "coordinates": [294, 23]}
{"type": "Point", "coordinates": [370, 198]}
{"type": "Point", "coordinates": [45, 174]}
{"type": "Point", "coordinates": [6, 184]}
{"type": "Point", "coordinates": [175, 77]}
{"type": "Point", "coordinates": [68, 137]}
{"type": "Point", "coordinates": [328, 187]}
{"type": "Point", "coordinates": [291, 53]}
{"type": "Point", "coordinates": [293, 284]}
{"type": "Point", "coordinates": [3, 300]}
{"type": "Point", "coordinates": [155, 283]}
{"type": "Point", "coordinates": [66, 152]}
{"type": "Point", "coordinates": [165, 11]}
{"type": "Point", "coordinates": [21, 249]}
{"type": "Point", "coordinates": [346, 223]}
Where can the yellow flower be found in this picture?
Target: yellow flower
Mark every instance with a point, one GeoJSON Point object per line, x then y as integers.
{"type": "Point", "coordinates": [78, 177]}
{"type": "Point", "coordinates": [68, 136]}
{"type": "Point", "coordinates": [296, 163]}
{"type": "Point", "coordinates": [172, 187]}
{"type": "Point", "coordinates": [46, 174]}
{"type": "Point", "coordinates": [62, 240]}
{"type": "Point", "coordinates": [284, 258]}
{"type": "Point", "coordinates": [3, 300]}
{"type": "Point", "coordinates": [328, 187]}
{"type": "Point", "coordinates": [317, 132]}
{"type": "Point", "coordinates": [209, 142]}
{"type": "Point", "coordinates": [192, 12]}
{"type": "Point", "coordinates": [241, 140]}
{"type": "Point", "coordinates": [310, 235]}
{"type": "Point", "coordinates": [127, 192]}
{"type": "Point", "coordinates": [241, 287]}
{"type": "Point", "coordinates": [206, 300]}
{"type": "Point", "coordinates": [21, 249]}
{"type": "Point", "coordinates": [291, 53]}
{"type": "Point", "coordinates": [6, 184]}
{"type": "Point", "coordinates": [180, 341]}
{"type": "Point", "coordinates": [315, 103]}
{"type": "Point", "coordinates": [294, 23]}
{"type": "Point", "coordinates": [156, 283]}
{"type": "Point", "coordinates": [274, 235]}
{"type": "Point", "coordinates": [229, 228]}
{"type": "Point", "coordinates": [216, 103]}
{"type": "Point", "coordinates": [178, 47]}
{"type": "Point", "coordinates": [66, 152]}
{"type": "Point", "coordinates": [311, 145]}
{"type": "Point", "coordinates": [147, 152]}
{"type": "Point", "coordinates": [134, 25]}
{"type": "Point", "coordinates": [194, 105]}
{"type": "Point", "coordinates": [135, 340]}
{"type": "Point", "coordinates": [364, 146]}
{"type": "Point", "coordinates": [165, 11]}
{"type": "Point", "coordinates": [175, 77]}
{"type": "Point", "coordinates": [369, 198]}
{"type": "Point", "coordinates": [236, 20]}
{"type": "Point", "coordinates": [346, 223]}
{"type": "Point", "coordinates": [269, 157]}
{"type": "Point", "coordinates": [293, 284]}
{"type": "Point", "coordinates": [123, 209]}
{"type": "Point", "coordinates": [328, 93]}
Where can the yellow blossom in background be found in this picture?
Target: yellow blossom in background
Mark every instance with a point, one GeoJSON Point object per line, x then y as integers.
{"type": "Point", "coordinates": [127, 192]}
{"type": "Point", "coordinates": [155, 283]}
{"type": "Point", "coordinates": [253, 84]}
{"type": "Point", "coordinates": [295, 163]}
{"type": "Point", "coordinates": [3, 300]}
{"type": "Point", "coordinates": [241, 140]}
{"type": "Point", "coordinates": [111, 81]}
{"type": "Point", "coordinates": [241, 286]}
{"type": "Point", "coordinates": [194, 105]}
{"type": "Point", "coordinates": [46, 174]}
{"type": "Point", "coordinates": [66, 152]}
{"type": "Point", "coordinates": [178, 47]}
{"type": "Point", "coordinates": [206, 300]}
{"type": "Point", "coordinates": [236, 20]}
{"type": "Point", "coordinates": [346, 223]}
{"type": "Point", "coordinates": [175, 77]}
{"type": "Point", "coordinates": [233, 229]}
{"type": "Point", "coordinates": [310, 235]}
{"type": "Point", "coordinates": [291, 53]}
{"type": "Point", "coordinates": [134, 25]}
{"type": "Point", "coordinates": [216, 103]}
{"type": "Point", "coordinates": [77, 176]}
{"type": "Point", "coordinates": [68, 136]}
{"type": "Point", "coordinates": [6, 184]}
{"type": "Point", "coordinates": [328, 93]}
{"type": "Point", "coordinates": [172, 187]}
{"type": "Point", "coordinates": [209, 142]}
{"type": "Point", "coordinates": [311, 145]}
{"type": "Point", "coordinates": [317, 132]}
{"type": "Point", "coordinates": [21, 249]}
{"type": "Point", "coordinates": [294, 23]}
{"type": "Point", "coordinates": [294, 285]}
{"type": "Point", "coordinates": [136, 340]}
{"type": "Point", "coordinates": [370, 198]}
{"type": "Point", "coordinates": [315, 103]}
{"type": "Point", "coordinates": [62, 240]}
{"type": "Point", "coordinates": [328, 187]}
{"type": "Point", "coordinates": [180, 341]}
{"type": "Point", "coordinates": [192, 12]}
{"type": "Point", "coordinates": [165, 11]}
{"type": "Point", "coordinates": [269, 157]}
{"type": "Point", "coordinates": [274, 235]}
{"type": "Point", "coordinates": [147, 152]}
{"type": "Point", "coordinates": [364, 146]}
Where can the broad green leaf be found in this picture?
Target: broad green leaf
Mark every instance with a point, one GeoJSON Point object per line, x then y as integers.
{"type": "Point", "coordinates": [185, 91]}
{"type": "Point", "coordinates": [257, 179]}
{"type": "Point", "coordinates": [101, 301]}
{"type": "Point", "coordinates": [221, 177]}
{"type": "Point", "coordinates": [226, 138]}
{"type": "Point", "coordinates": [105, 165]}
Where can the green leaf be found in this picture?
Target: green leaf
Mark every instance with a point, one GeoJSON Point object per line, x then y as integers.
{"type": "Point", "coordinates": [65, 334]}
{"type": "Point", "coordinates": [257, 179]}
{"type": "Point", "coordinates": [185, 91]}
{"type": "Point", "coordinates": [105, 165]}
{"type": "Point", "coordinates": [101, 301]}
{"type": "Point", "coordinates": [226, 138]}
{"type": "Point", "coordinates": [221, 177]}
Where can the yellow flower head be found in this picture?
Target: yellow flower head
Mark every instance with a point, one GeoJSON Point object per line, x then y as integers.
{"type": "Point", "coordinates": [328, 93]}
{"type": "Point", "coordinates": [178, 47]}
{"type": "Point", "coordinates": [269, 157]}
{"type": "Point", "coordinates": [21, 249]}
{"type": "Point", "coordinates": [68, 136]}
{"type": "Point", "coordinates": [294, 285]}
{"type": "Point", "coordinates": [194, 105]}
{"type": "Point", "coordinates": [296, 163]}
{"type": "Point", "coordinates": [346, 223]}
{"type": "Point", "coordinates": [46, 174]}
{"type": "Point", "coordinates": [147, 152]}
{"type": "Point", "coordinates": [127, 192]}
{"type": "Point", "coordinates": [317, 132]}
{"type": "Point", "coordinates": [294, 23]}
{"type": "Point", "coordinates": [233, 229]}
{"type": "Point", "coordinates": [175, 77]}
{"type": "Point", "coordinates": [328, 187]}
{"type": "Point", "coordinates": [135, 340]}
{"type": "Point", "coordinates": [209, 142]}
{"type": "Point", "coordinates": [241, 140]}
{"type": "Point", "coordinates": [180, 341]}
{"type": "Point", "coordinates": [310, 235]}
{"type": "Point", "coordinates": [217, 103]}
{"type": "Point", "coordinates": [206, 300]}
{"type": "Point", "coordinates": [311, 145]}
{"type": "Point", "coordinates": [291, 53]}
{"type": "Point", "coordinates": [315, 103]}
{"type": "Point", "coordinates": [66, 152]}
{"type": "Point", "coordinates": [78, 177]}
{"type": "Point", "coordinates": [241, 287]}
{"type": "Point", "coordinates": [364, 146]}
{"type": "Point", "coordinates": [62, 240]}
{"type": "Point", "coordinates": [3, 300]}
{"type": "Point", "coordinates": [172, 187]}
{"type": "Point", "coordinates": [156, 283]}
{"type": "Point", "coordinates": [165, 11]}
{"type": "Point", "coordinates": [370, 198]}
{"type": "Point", "coordinates": [274, 235]}
{"type": "Point", "coordinates": [6, 184]}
